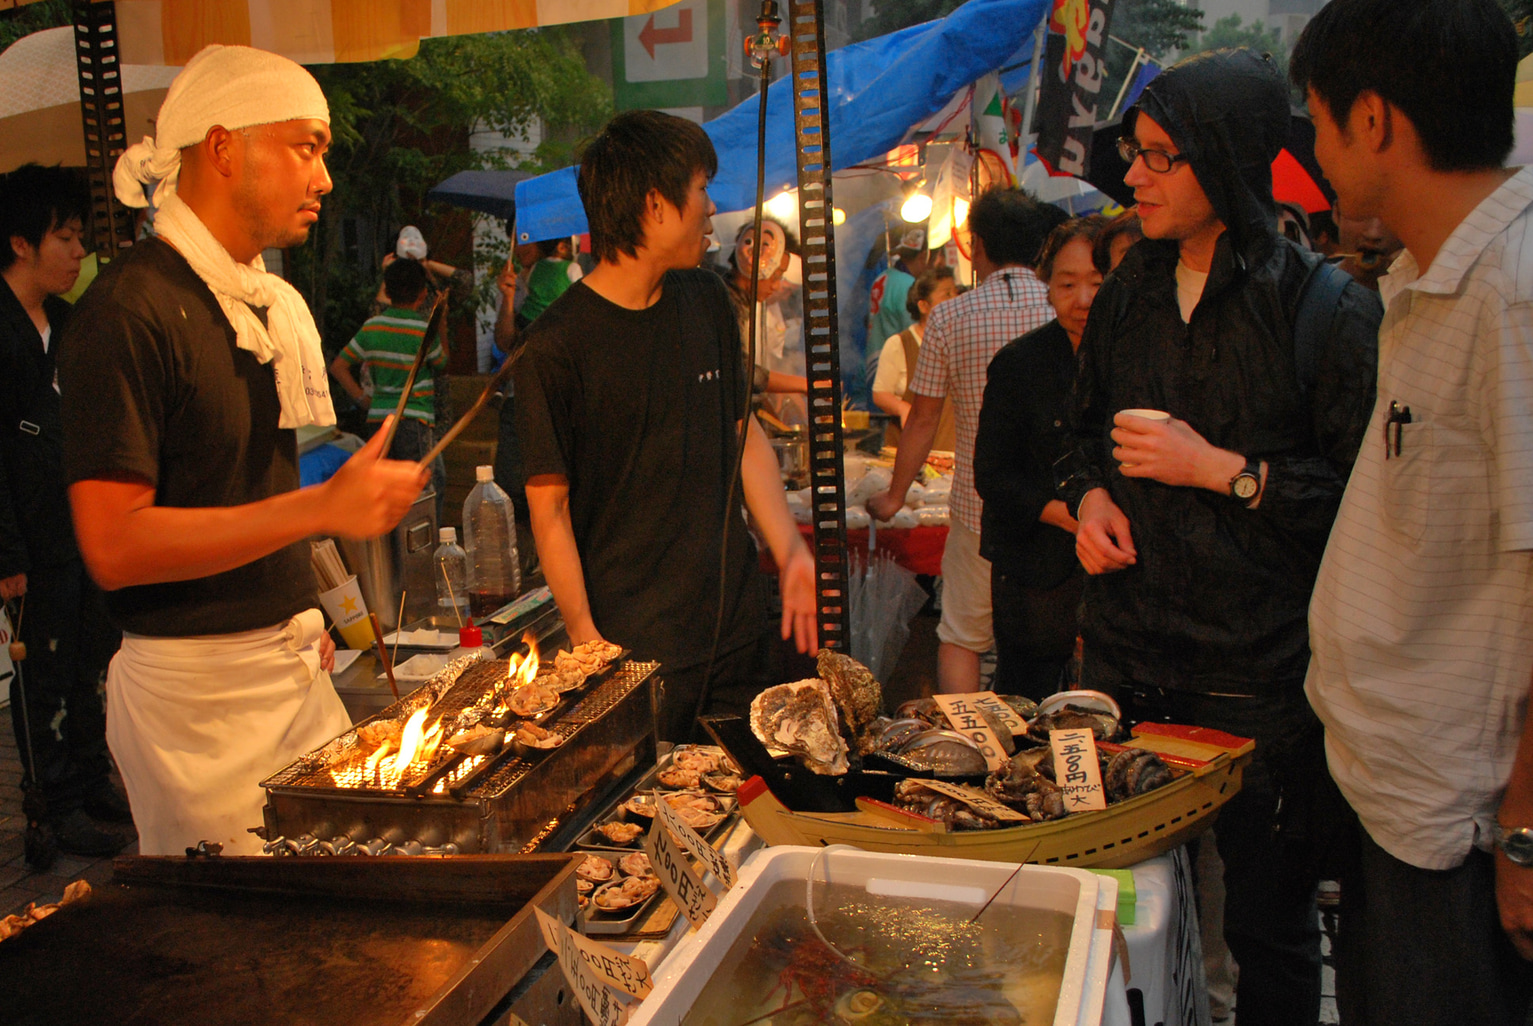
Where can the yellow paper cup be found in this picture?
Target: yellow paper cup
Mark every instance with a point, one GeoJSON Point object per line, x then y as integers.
{"type": "Point", "coordinates": [854, 420]}
{"type": "Point", "coordinates": [349, 613]}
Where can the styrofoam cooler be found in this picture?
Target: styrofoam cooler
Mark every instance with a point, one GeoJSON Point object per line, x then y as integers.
{"type": "Point", "coordinates": [1090, 899]}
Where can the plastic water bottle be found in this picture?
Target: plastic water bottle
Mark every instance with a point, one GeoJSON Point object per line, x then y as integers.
{"type": "Point", "coordinates": [451, 576]}
{"type": "Point", "coordinates": [489, 533]}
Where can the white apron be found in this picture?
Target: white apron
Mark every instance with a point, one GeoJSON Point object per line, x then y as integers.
{"type": "Point", "coordinates": [196, 724]}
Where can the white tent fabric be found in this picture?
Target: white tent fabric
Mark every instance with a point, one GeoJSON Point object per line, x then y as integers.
{"type": "Point", "coordinates": [40, 100]}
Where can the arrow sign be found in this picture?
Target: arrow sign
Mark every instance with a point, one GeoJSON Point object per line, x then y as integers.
{"type": "Point", "coordinates": [651, 37]}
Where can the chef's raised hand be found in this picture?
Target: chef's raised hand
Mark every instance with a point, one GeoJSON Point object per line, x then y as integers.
{"type": "Point", "coordinates": [1170, 452]}
{"type": "Point", "coordinates": [370, 494]}
{"type": "Point", "coordinates": [1103, 543]}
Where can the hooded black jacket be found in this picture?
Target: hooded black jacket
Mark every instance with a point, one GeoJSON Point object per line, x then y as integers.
{"type": "Point", "coordinates": [1217, 600]}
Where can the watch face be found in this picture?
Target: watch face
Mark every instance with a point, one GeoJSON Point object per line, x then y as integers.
{"type": "Point", "coordinates": [1518, 845]}
{"type": "Point", "coordinates": [1244, 487]}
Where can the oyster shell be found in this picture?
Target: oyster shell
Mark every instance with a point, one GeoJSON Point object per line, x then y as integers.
{"type": "Point", "coordinates": [641, 805]}
{"type": "Point", "coordinates": [924, 709]}
{"type": "Point", "coordinates": [625, 893]}
{"type": "Point", "coordinates": [534, 736]}
{"type": "Point", "coordinates": [1103, 725]}
{"type": "Point", "coordinates": [477, 740]}
{"type": "Point", "coordinates": [858, 696]}
{"type": "Point", "coordinates": [801, 717]}
{"type": "Point", "coordinates": [698, 759]}
{"type": "Point", "coordinates": [624, 835]}
{"type": "Point", "coordinates": [725, 783]}
{"type": "Point", "coordinates": [676, 777]}
{"type": "Point", "coordinates": [594, 868]}
{"type": "Point", "coordinates": [636, 864]}
{"type": "Point", "coordinates": [531, 699]}
{"type": "Point", "coordinates": [699, 800]}
{"type": "Point", "coordinates": [376, 734]}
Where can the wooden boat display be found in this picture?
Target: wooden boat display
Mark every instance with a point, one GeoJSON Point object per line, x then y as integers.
{"type": "Point", "coordinates": [1209, 764]}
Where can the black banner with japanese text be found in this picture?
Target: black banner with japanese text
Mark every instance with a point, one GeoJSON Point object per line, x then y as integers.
{"type": "Point", "coordinates": [1070, 93]}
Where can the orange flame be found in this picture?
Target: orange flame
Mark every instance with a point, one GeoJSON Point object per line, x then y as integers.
{"type": "Point", "coordinates": [416, 744]}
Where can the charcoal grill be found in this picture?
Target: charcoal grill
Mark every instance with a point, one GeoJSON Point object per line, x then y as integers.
{"type": "Point", "coordinates": [460, 804]}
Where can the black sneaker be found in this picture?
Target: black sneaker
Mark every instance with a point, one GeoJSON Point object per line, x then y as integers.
{"type": "Point", "coordinates": [107, 805]}
{"type": "Point", "coordinates": [75, 833]}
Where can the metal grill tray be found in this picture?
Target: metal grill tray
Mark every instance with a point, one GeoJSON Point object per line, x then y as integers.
{"type": "Point", "coordinates": [254, 941]}
{"type": "Point", "coordinates": [593, 921]}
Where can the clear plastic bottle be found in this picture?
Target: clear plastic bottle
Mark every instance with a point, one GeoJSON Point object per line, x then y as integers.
{"type": "Point", "coordinates": [451, 575]}
{"type": "Point", "coordinates": [489, 534]}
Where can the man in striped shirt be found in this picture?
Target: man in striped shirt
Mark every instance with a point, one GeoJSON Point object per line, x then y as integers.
{"type": "Point", "coordinates": [1421, 625]}
{"type": "Point", "coordinates": [386, 346]}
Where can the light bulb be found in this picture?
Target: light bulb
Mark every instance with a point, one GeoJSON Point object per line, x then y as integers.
{"type": "Point", "coordinates": [782, 206]}
{"type": "Point", "coordinates": [837, 215]}
{"type": "Point", "coordinates": [917, 208]}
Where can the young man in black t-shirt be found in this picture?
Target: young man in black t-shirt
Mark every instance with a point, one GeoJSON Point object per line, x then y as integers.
{"type": "Point", "coordinates": [630, 395]}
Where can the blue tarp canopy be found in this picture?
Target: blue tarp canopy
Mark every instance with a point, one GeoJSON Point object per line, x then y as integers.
{"type": "Point", "coordinates": [878, 90]}
{"type": "Point", "coordinates": [489, 192]}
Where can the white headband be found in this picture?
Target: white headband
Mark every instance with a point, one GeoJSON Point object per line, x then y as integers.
{"type": "Point", "coordinates": [229, 86]}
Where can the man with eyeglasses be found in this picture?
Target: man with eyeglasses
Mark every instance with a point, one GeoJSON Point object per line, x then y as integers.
{"type": "Point", "coordinates": [1202, 532]}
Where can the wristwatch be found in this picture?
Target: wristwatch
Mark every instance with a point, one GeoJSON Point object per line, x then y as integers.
{"type": "Point", "coordinates": [1516, 843]}
{"type": "Point", "coordinates": [1246, 485]}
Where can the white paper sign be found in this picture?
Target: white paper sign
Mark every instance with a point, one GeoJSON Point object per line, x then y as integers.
{"type": "Point", "coordinates": [977, 800]}
{"type": "Point", "coordinates": [600, 1005]}
{"type": "Point", "coordinates": [964, 715]}
{"type": "Point", "coordinates": [677, 876]}
{"type": "Point", "coordinates": [1076, 769]}
{"type": "Point", "coordinates": [624, 972]}
{"type": "Point", "coordinates": [722, 867]}
{"type": "Point", "coordinates": [992, 704]}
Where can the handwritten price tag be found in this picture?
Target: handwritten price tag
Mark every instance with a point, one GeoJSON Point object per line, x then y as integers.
{"type": "Point", "coordinates": [964, 715]}
{"type": "Point", "coordinates": [1077, 770]}
{"type": "Point", "coordinates": [990, 703]}
{"type": "Point", "coordinates": [624, 972]}
{"type": "Point", "coordinates": [601, 1007]}
{"type": "Point", "coordinates": [677, 876]}
{"type": "Point", "coordinates": [722, 867]}
{"type": "Point", "coordinates": [977, 800]}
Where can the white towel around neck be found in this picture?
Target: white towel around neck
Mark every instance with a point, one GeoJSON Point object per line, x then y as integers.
{"type": "Point", "coordinates": [289, 340]}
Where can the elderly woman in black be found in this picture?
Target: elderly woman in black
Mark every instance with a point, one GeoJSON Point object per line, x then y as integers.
{"type": "Point", "coordinates": [1027, 534]}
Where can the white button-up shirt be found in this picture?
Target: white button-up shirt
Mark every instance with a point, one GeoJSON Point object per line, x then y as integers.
{"type": "Point", "coordinates": [1421, 624]}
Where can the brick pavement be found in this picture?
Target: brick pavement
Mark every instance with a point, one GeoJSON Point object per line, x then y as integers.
{"type": "Point", "coordinates": [19, 886]}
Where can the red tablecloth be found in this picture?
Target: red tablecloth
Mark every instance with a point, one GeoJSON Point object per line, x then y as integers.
{"type": "Point", "coordinates": [917, 549]}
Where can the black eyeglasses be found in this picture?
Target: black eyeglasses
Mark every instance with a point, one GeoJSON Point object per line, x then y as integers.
{"type": "Point", "coordinates": [1158, 161]}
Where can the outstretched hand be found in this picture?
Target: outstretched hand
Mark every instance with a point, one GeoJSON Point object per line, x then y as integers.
{"type": "Point", "coordinates": [370, 494]}
{"type": "Point", "coordinates": [800, 613]}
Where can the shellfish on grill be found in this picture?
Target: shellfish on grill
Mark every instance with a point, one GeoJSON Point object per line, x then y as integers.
{"type": "Point", "coordinates": [479, 740]}
{"type": "Point", "coordinates": [682, 778]}
{"type": "Point", "coordinates": [642, 805]}
{"type": "Point", "coordinates": [530, 735]}
{"type": "Point", "coordinates": [723, 782]}
{"type": "Point", "coordinates": [531, 700]}
{"type": "Point", "coordinates": [699, 759]}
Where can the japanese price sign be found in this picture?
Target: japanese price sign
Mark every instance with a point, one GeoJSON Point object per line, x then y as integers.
{"type": "Point", "coordinates": [600, 1005]}
{"type": "Point", "coordinates": [990, 703]}
{"type": "Point", "coordinates": [712, 859]}
{"type": "Point", "coordinates": [977, 800]}
{"type": "Point", "coordinates": [676, 874]}
{"type": "Point", "coordinates": [1076, 769]}
{"type": "Point", "coordinates": [964, 715]}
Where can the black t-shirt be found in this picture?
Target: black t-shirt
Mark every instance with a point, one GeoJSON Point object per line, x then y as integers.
{"type": "Point", "coordinates": [638, 409]}
{"type": "Point", "coordinates": [155, 387]}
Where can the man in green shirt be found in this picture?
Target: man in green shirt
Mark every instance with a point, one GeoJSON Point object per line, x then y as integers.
{"type": "Point", "coordinates": [554, 272]}
{"type": "Point", "coordinates": [386, 345]}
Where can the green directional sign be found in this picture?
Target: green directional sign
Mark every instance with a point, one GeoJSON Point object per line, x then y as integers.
{"type": "Point", "coordinates": [675, 57]}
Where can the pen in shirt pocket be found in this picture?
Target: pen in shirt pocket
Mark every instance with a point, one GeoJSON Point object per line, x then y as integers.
{"type": "Point", "coordinates": [1394, 427]}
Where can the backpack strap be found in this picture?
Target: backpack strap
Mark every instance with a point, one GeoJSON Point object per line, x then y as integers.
{"type": "Point", "coordinates": [1314, 316]}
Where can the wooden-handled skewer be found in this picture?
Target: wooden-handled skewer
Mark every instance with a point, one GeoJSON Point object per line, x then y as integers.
{"type": "Point", "coordinates": [383, 653]}
{"type": "Point", "coordinates": [496, 384]}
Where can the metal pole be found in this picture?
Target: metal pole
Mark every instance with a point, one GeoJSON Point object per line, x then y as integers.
{"type": "Point", "coordinates": [1127, 81]}
{"type": "Point", "coordinates": [1032, 82]}
{"type": "Point", "coordinates": [822, 344]}
{"type": "Point", "coordinates": [103, 120]}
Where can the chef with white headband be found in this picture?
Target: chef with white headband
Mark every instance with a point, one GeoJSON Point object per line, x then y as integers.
{"type": "Point", "coordinates": [186, 371]}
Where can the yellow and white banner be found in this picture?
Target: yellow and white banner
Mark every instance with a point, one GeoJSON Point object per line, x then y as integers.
{"type": "Point", "coordinates": [337, 31]}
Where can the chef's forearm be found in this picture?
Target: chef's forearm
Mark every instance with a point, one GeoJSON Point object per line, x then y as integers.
{"type": "Point", "coordinates": [548, 503]}
{"type": "Point", "coordinates": [765, 498]}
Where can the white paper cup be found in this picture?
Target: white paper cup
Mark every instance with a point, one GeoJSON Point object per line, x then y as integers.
{"type": "Point", "coordinates": [1159, 416]}
{"type": "Point", "coordinates": [348, 612]}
